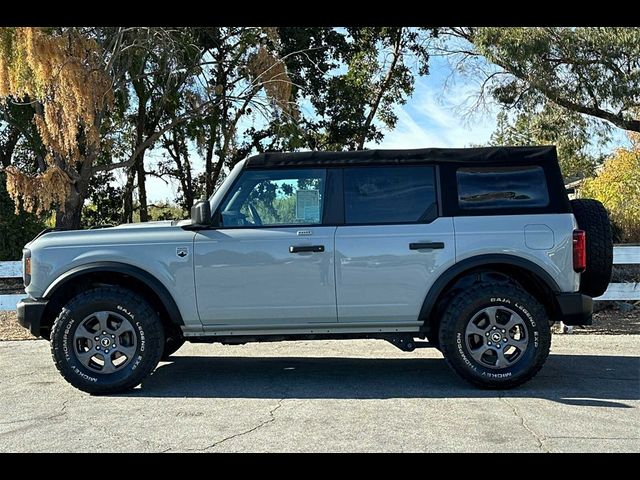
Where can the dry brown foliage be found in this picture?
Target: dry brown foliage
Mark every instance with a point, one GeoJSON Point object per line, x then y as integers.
{"type": "Point", "coordinates": [63, 76]}
{"type": "Point", "coordinates": [269, 71]}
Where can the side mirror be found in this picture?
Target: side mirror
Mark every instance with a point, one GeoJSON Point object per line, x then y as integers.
{"type": "Point", "coordinates": [201, 214]}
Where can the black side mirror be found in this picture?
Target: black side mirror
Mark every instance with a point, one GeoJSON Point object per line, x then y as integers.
{"type": "Point", "coordinates": [201, 214]}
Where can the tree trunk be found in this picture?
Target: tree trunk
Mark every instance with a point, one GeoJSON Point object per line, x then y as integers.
{"type": "Point", "coordinates": [142, 188]}
{"type": "Point", "coordinates": [70, 218]}
{"type": "Point", "coordinates": [216, 172]}
{"type": "Point", "coordinates": [127, 207]}
{"type": "Point", "coordinates": [383, 88]}
{"type": "Point", "coordinates": [208, 167]}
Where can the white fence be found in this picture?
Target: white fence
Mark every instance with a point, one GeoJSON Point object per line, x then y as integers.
{"type": "Point", "coordinates": [622, 255]}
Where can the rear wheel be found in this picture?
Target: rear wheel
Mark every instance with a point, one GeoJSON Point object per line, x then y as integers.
{"type": "Point", "coordinates": [106, 340]}
{"type": "Point", "coordinates": [495, 335]}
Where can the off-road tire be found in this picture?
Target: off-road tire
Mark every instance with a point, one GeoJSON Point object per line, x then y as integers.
{"type": "Point", "coordinates": [146, 327]}
{"type": "Point", "coordinates": [593, 218]}
{"type": "Point", "coordinates": [461, 311]}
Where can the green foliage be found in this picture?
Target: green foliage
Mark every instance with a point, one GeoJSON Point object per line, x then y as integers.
{"type": "Point", "coordinates": [105, 202]}
{"type": "Point", "coordinates": [164, 211]}
{"type": "Point", "coordinates": [592, 71]}
{"type": "Point", "coordinates": [617, 186]}
{"type": "Point", "coordinates": [550, 125]}
{"type": "Point", "coordinates": [15, 230]}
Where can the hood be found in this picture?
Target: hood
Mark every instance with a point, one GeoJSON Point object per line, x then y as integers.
{"type": "Point", "coordinates": [127, 232]}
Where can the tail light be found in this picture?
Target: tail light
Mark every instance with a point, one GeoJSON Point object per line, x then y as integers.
{"type": "Point", "coordinates": [579, 251]}
{"type": "Point", "coordinates": [26, 266]}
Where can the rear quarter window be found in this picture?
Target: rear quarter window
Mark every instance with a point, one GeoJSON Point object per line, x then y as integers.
{"type": "Point", "coordinates": [502, 187]}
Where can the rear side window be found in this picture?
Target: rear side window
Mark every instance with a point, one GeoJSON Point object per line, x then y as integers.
{"type": "Point", "coordinates": [502, 187]}
{"type": "Point", "coordinates": [389, 195]}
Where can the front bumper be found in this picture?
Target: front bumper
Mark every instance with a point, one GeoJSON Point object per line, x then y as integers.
{"type": "Point", "coordinates": [30, 313]}
{"type": "Point", "coordinates": [575, 308]}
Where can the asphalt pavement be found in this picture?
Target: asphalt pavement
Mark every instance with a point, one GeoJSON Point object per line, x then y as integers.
{"type": "Point", "coordinates": [336, 396]}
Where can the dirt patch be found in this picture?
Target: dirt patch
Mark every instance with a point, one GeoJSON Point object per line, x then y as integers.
{"type": "Point", "coordinates": [10, 329]}
{"type": "Point", "coordinates": [612, 321]}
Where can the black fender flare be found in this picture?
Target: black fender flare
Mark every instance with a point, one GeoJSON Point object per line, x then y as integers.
{"type": "Point", "coordinates": [478, 261]}
{"type": "Point", "coordinates": [123, 268]}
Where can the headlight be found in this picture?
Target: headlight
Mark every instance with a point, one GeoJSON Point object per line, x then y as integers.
{"type": "Point", "coordinates": [26, 266]}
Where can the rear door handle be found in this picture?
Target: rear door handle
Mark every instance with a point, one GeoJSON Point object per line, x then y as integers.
{"type": "Point", "coordinates": [306, 248]}
{"type": "Point", "coordinates": [426, 245]}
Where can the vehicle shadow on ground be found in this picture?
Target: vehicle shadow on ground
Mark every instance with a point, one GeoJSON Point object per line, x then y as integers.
{"type": "Point", "coordinates": [585, 380]}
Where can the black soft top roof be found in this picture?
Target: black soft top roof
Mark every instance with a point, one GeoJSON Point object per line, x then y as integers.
{"type": "Point", "coordinates": [542, 154]}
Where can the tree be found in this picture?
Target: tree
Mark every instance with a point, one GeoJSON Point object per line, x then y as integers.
{"type": "Point", "coordinates": [59, 74]}
{"type": "Point", "coordinates": [244, 79]}
{"type": "Point", "coordinates": [591, 71]}
{"type": "Point", "coordinates": [381, 66]}
{"type": "Point", "coordinates": [569, 131]}
{"type": "Point", "coordinates": [617, 186]}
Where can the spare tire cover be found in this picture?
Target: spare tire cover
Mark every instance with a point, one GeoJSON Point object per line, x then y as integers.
{"type": "Point", "coordinates": [593, 218]}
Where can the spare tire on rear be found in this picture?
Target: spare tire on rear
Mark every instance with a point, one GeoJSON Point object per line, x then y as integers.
{"type": "Point", "coordinates": [594, 220]}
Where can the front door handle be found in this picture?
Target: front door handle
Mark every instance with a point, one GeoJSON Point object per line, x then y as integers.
{"type": "Point", "coordinates": [426, 245]}
{"type": "Point", "coordinates": [306, 248]}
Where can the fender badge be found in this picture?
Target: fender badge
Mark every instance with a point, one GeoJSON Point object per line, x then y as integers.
{"type": "Point", "coordinates": [182, 252]}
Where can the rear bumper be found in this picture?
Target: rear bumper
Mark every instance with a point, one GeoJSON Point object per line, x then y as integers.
{"type": "Point", "coordinates": [30, 313]}
{"type": "Point", "coordinates": [575, 308]}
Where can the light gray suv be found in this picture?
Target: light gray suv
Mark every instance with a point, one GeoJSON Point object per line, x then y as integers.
{"type": "Point", "coordinates": [473, 251]}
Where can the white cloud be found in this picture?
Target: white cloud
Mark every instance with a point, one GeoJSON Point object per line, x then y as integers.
{"type": "Point", "coordinates": [431, 119]}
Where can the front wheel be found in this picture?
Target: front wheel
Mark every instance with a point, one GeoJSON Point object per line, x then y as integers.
{"type": "Point", "coordinates": [106, 340]}
{"type": "Point", "coordinates": [495, 335]}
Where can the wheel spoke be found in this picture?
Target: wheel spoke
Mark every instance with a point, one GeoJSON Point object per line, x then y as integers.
{"type": "Point", "coordinates": [491, 314]}
{"type": "Point", "coordinates": [127, 351]}
{"type": "Point", "coordinates": [479, 352]}
{"type": "Point", "coordinates": [83, 332]}
{"type": "Point", "coordinates": [85, 357]}
{"type": "Point", "coordinates": [108, 366]}
{"type": "Point", "coordinates": [102, 317]}
{"type": "Point", "coordinates": [519, 344]}
{"type": "Point", "coordinates": [501, 360]}
{"type": "Point", "coordinates": [123, 328]}
{"type": "Point", "coordinates": [473, 329]}
{"type": "Point", "coordinates": [514, 320]}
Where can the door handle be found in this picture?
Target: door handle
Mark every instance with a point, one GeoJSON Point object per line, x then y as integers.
{"type": "Point", "coordinates": [306, 248]}
{"type": "Point", "coordinates": [426, 245]}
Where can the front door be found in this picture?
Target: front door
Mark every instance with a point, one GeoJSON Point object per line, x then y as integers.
{"type": "Point", "coordinates": [271, 260]}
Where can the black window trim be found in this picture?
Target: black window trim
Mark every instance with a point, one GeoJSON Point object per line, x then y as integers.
{"type": "Point", "coordinates": [436, 185]}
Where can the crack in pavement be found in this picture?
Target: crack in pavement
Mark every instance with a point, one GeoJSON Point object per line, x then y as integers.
{"type": "Point", "coordinates": [596, 438]}
{"type": "Point", "coordinates": [63, 411]}
{"type": "Point", "coordinates": [271, 419]}
{"type": "Point", "coordinates": [540, 439]}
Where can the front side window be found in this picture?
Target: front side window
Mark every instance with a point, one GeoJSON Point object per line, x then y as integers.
{"type": "Point", "coordinates": [275, 197]}
{"type": "Point", "coordinates": [502, 187]}
{"type": "Point", "coordinates": [398, 194]}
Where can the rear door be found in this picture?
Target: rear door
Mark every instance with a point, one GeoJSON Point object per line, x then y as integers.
{"type": "Point", "coordinates": [393, 246]}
